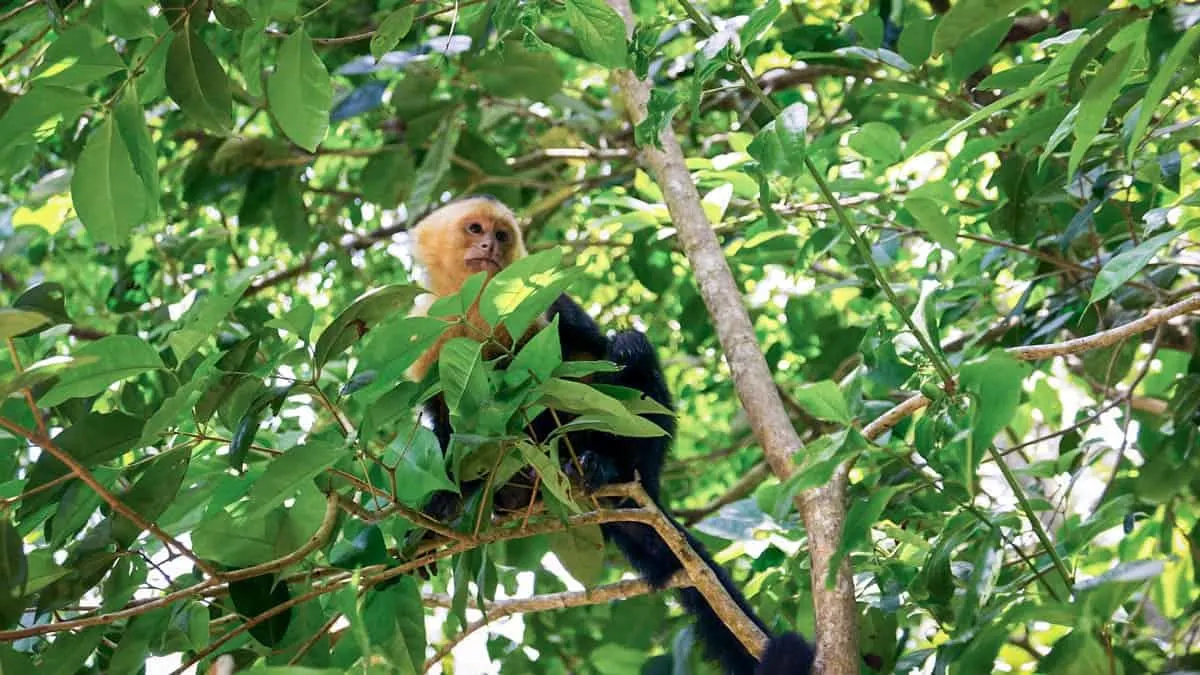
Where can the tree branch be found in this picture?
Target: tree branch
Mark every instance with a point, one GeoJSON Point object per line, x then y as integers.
{"type": "Point", "coordinates": [823, 508]}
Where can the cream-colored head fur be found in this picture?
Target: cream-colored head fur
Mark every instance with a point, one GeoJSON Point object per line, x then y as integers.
{"type": "Point", "coordinates": [440, 240]}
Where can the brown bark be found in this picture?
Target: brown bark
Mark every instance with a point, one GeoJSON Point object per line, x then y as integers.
{"type": "Point", "coordinates": [823, 509]}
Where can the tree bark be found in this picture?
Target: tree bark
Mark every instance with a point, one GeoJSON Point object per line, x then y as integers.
{"type": "Point", "coordinates": [823, 509]}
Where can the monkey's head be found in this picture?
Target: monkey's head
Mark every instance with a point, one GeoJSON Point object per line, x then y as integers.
{"type": "Point", "coordinates": [474, 234]}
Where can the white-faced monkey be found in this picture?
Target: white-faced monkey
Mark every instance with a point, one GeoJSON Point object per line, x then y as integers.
{"type": "Point", "coordinates": [479, 233]}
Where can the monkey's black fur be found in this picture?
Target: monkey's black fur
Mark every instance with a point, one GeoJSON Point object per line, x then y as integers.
{"type": "Point", "coordinates": [608, 459]}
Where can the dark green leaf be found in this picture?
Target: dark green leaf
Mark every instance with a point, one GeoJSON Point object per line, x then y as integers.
{"type": "Point", "coordinates": [363, 314]}
{"type": "Point", "coordinates": [1123, 266]}
{"type": "Point", "coordinates": [197, 82]}
{"type": "Point", "coordinates": [968, 16]}
{"type": "Point", "coordinates": [300, 93]}
{"type": "Point", "coordinates": [393, 28]}
{"type": "Point", "coordinates": [600, 31]}
{"type": "Point", "coordinates": [107, 192]}
{"type": "Point", "coordinates": [110, 360]}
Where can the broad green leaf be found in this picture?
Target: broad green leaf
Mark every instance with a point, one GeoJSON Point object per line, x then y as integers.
{"type": "Point", "coordinates": [600, 31]}
{"type": "Point", "coordinates": [930, 218]}
{"type": "Point", "coordinates": [154, 491]}
{"type": "Point", "coordinates": [116, 358]}
{"type": "Point", "coordinates": [14, 568]}
{"type": "Point", "coordinates": [79, 57]}
{"type": "Point", "coordinates": [197, 82]}
{"type": "Point", "coordinates": [968, 16]}
{"type": "Point", "coordinates": [106, 190]}
{"type": "Point", "coordinates": [659, 112]}
{"type": "Point", "coordinates": [1158, 86]}
{"type": "Point", "coordinates": [577, 397]}
{"type": "Point", "coordinates": [916, 40]}
{"type": "Point", "coordinates": [420, 466]}
{"type": "Point", "coordinates": [226, 538]}
{"type": "Point", "coordinates": [129, 19]}
{"type": "Point", "coordinates": [131, 126]}
{"type": "Point", "coordinates": [69, 652]}
{"type": "Point", "coordinates": [760, 21]}
{"type": "Point", "coordinates": [288, 472]}
{"type": "Point", "coordinates": [869, 28]}
{"type": "Point", "coordinates": [995, 382]}
{"type": "Point", "coordinates": [363, 314]}
{"type": "Point", "coordinates": [183, 399]}
{"type": "Point", "coordinates": [37, 373]}
{"type": "Point", "coordinates": [517, 71]}
{"type": "Point", "coordinates": [203, 318]}
{"type": "Point", "coordinates": [14, 322]}
{"type": "Point", "coordinates": [393, 619]}
{"type": "Point", "coordinates": [581, 550]}
{"type": "Point", "coordinates": [878, 141]}
{"type": "Point", "coordinates": [464, 380]}
{"type": "Point", "coordinates": [824, 400]}
{"type": "Point", "coordinates": [33, 117]}
{"type": "Point", "coordinates": [1102, 91]}
{"type": "Point", "coordinates": [537, 359]}
{"type": "Point", "coordinates": [514, 285]}
{"type": "Point", "coordinates": [1077, 653]}
{"type": "Point", "coordinates": [299, 92]}
{"type": "Point", "coordinates": [1123, 266]}
{"type": "Point", "coordinates": [862, 516]}
{"type": "Point", "coordinates": [393, 29]}
{"type": "Point", "coordinates": [434, 166]}
{"type": "Point", "coordinates": [96, 438]}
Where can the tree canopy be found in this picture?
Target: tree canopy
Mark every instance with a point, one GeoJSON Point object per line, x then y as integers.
{"type": "Point", "coordinates": [964, 232]}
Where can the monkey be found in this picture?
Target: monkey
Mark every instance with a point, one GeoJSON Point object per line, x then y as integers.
{"type": "Point", "coordinates": [480, 233]}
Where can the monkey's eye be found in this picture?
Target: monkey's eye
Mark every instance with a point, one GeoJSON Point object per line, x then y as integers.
{"type": "Point", "coordinates": [501, 236]}
{"type": "Point", "coordinates": [475, 228]}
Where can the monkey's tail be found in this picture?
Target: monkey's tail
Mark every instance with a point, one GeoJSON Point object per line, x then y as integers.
{"type": "Point", "coordinates": [787, 654]}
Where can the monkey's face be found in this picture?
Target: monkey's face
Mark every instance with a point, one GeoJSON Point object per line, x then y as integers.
{"type": "Point", "coordinates": [465, 237]}
{"type": "Point", "coordinates": [487, 244]}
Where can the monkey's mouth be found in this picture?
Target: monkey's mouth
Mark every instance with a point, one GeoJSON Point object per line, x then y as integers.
{"type": "Point", "coordinates": [480, 264]}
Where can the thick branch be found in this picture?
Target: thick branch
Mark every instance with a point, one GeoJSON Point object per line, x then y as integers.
{"type": "Point", "coordinates": [823, 508]}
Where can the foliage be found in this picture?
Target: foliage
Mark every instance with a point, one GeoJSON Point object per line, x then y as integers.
{"type": "Point", "coordinates": [204, 282]}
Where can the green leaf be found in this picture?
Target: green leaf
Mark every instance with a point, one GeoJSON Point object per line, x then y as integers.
{"type": "Point", "coordinates": [288, 472]}
{"type": "Point", "coordinates": [34, 117]}
{"type": "Point", "coordinates": [461, 369]}
{"type": "Point", "coordinates": [577, 397]}
{"type": "Point", "coordinates": [203, 318]}
{"type": "Point", "coordinates": [182, 400]}
{"type": "Point", "coordinates": [14, 568]}
{"type": "Point", "coordinates": [995, 382]}
{"type": "Point", "coordinates": [930, 219]}
{"type": "Point", "coordinates": [128, 19]}
{"type": "Point", "coordinates": [863, 515]}
{"type": "Point", "coordinates": [106, 190]}
{"type": "Point", "coordinates": [1078, 653]}
{"type": "Point", "coordinates": [231, 16]}
{"type": "Point", "coordinates": [364, 313]}
{"type": "Point", "coordinates": [824, 400]}
{"type": "Point", "coordinates": [1158, 86]}
{"type": "Point", "coordinates": [420, 466]}
{"type": "Point", "coordinates": [600, 31]}
{"type": "Point", "coordinates": [519, 72]}
{"type": "Point", "coordinates": [37, 373]}
{"type": "Point", "coordinates": [80, 57]}
{"type": "Point", "coordinates": [197, 82]}
{"type": "Point", "coordinates": [554, 480]}
{"type": "Point", "coordinates": [154, 491]}
{"type": "Point", "coordinates": [435, 165]}
{"type": "Point", "coordinates": [537, 359]}
{"type": "Point", "coordinates": [968, 16]}
{"type": "Point", "coordinates": [916, 40]}
{"type": "Point", "coordinates": [1123, 266]}
{"type": "Point", "coordinates": [299, 92]}
{"type": "Point", "coordinates": [68, 653]}
{"type": "Point", "coordinates": [659, 113]}
{"type": "Point", "coordinates": [878, 141]}
{"type": "Point", "coordinates": [14, 322]}
{"type": "Point", "coordinates": [760, 21]}
{"type": "Point", "coordinates": [1102, 91]}
{"type": "Point", "coordinates": [240, 542]}
{"type": "Point", "coordinates": [117, 357]}
{"type": "Point", "coordinates": [524, 290]}
{"type": "Point", "coordinates": [131, 125]}
{"type": "Point", "coordinates": [869, 27]}
{"type": "Point", "coordinates": [96, 438]}
{"type": "Point", "coordinates": [581, 551]}
{"type": "Point", "coordinates": [393, 28]}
